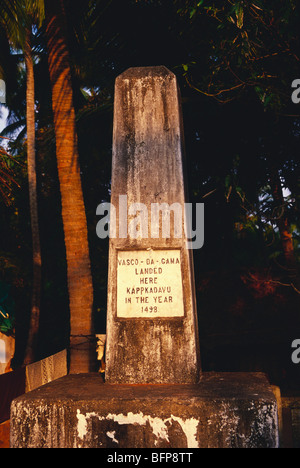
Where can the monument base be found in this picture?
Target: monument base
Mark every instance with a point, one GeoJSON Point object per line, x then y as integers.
{"type": "Point", "coordinates": [230, 410]}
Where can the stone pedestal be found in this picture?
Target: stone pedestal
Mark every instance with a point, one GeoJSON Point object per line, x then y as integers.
{"type": "Point", "coordinates": [80, 411]}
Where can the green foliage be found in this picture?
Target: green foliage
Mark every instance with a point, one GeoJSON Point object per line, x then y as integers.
{"type": "Point", "coordinates": [7, 310]}
{"type": "Point", "coordinates": [18, 16]}
{"type": "Point", "coordinates": [7, 178]}
{"type": "Point", "coordinates": [252, 45]}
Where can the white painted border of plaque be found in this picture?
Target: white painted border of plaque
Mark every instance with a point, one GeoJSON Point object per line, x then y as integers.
{"type": "Point", "coordinates": [149, 284]}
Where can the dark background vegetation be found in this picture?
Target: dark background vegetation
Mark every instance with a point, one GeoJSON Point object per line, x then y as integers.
{"type": "Point", "coordinates": [235, 62]}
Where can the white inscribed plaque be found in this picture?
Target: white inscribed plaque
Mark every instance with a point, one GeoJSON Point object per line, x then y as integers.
{"type": "Point", "coordinates": [149, 284]}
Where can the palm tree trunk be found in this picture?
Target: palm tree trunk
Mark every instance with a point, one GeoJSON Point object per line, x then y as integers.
{"type": "Point", "coordinates": [31, 350]}
{"type": "Point", "coordinates": [80, 286]}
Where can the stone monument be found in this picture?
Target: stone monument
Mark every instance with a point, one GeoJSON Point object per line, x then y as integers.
{"type": "Point", "coordinates": [155, 395]}
{"type": "Point", "coordinates": [152, 332]}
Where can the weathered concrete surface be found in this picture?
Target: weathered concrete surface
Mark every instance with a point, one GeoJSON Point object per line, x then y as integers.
{"type": "Point", "coordinates": [148, 168]}
{"type": "Point", "coordinates": [80, 411]}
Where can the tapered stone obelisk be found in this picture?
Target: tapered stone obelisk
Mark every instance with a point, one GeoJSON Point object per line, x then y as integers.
{"type": "Point", "coordinates": [152, 332]}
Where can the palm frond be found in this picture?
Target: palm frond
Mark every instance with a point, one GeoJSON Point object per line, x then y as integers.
{"type": "Point", "coordinates": [7, 178]}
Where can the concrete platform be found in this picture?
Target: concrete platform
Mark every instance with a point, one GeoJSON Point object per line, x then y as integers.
{"type": "Point", "coordinates": [80, 411]}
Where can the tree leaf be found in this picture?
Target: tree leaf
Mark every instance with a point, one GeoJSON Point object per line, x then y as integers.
{"type": "Point", "coordinates": [257, 5]}
{"type": "Point", "coordinates": [240, 16]}
{"type": "Point", "coordinates": [192, 12]}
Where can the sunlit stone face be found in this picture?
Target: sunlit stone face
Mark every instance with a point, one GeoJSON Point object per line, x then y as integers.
{"type": "Point", "coordinates": [149, 284]}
